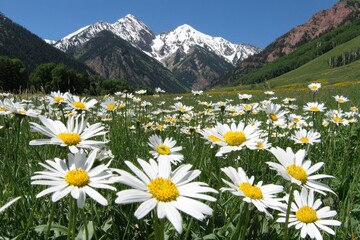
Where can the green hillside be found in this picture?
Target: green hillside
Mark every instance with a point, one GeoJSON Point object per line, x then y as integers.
{"type": "Point", "coordinates": [318, 70]}
{"type": "Point", "coordinates": [302, 55]}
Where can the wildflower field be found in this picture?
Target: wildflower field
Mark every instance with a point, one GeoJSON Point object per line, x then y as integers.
{"type": "Point", "coordinates": [265, 165]}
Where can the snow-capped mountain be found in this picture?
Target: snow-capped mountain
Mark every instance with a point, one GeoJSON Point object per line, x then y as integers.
{"type": "Point", "coordinates": [184, 37]}
{"type": "Point", "coordinates": [128, 28]}
{"type": "Point", "coordinates": [161, 46]}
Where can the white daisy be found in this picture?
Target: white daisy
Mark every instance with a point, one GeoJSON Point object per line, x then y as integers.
{"type": "Point", "coordinates": [274, 113]}
{"type": "Point", "coordinates": [262, 196]}
{"type": "Point", "coordinates": [74, 102]}
{"type": "Point", "coordinates": [165, 149]}
{"type": "Point", "coordinates": [314, 107]}
{"type": "Point", "coordinates": [157, 186]}
{"type": "Point", "coordinates": [306, 215]}
{"type": "Point", "coordinates": [57, 97]}
{"type": "Point", "coordinates": [181, 108]}
{"type": "Point", "coordinates": [302, 136]}
{"type": "Point", "coordinates": [314, 86]}
{"type": "Point", "coordinates": [74, 135]}
{"type": "Point", "coordinates": [76, 176]}
{"type": "Point", "coordinates": [109, 104]}
{"type": "Point", "coordinates": [293, 168]}
{"type": "Point", "coordinates": [235, 137]}
{"type": "Point", "coordinates": [341, 99]}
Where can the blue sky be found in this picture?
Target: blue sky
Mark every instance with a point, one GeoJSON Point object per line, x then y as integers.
{"type": "Point", "coordinates": [257, 22]}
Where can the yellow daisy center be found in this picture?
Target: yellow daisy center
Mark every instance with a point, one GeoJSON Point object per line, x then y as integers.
{"type": "Point", "coordinates": [337, 119]}
{"type": "Point", "coordinates": [79, 105]}
{"type": "Point", "coordinates": [253, 192]}
{"type": "Point", "coordinates": [77, 177]}
{"type": "Point", "coordinates": [273, 117]}
{"type": "Point", "coordinates": [164, 190]}
{"type": "Point", "coordinates": [212, 138]}
{"type": "Point", "coordinates": [306, 214]}
{"type": "Point", "coordinates": [234, 138]}
{"type": "Point", "coordinates": [21, 111]}
{"type": "Point", "coordinates": [260, 145]}
{"type": "Point", "coordinates": [297, 172]}
{"type": "Point", "coordinates": [58, 99]}
{"type": "Point", "coordinates": [247, 107]}
{"type": "Point", "coordinates": [304, 140]}
{"type": "Point", "coordinates": [314, 109]}
{"type": "Point", "coordinates": [182, 109]}
{"type": "Point", "coordinates": [2, 109]}
{"type": "Point", "coordinates": [341, 100]}
{"type": "Point", "coordinates": [111, 106]}
{"type": "Point", "coordinates": [296, 120]}
{"type": "Point", "coordinates": [70, 139]}
{"type": "Point", "coordinates": [163, 149]}
{"type": "Point", "coordinates": [314, 88]}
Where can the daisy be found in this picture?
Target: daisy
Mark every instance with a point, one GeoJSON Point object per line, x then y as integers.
{"type": "Point", "coordinates": [74, 102]}
{"type": "Point", "coordinates": [197, 93]}
{"type": "Point", "coordinates": [274, 113]}
{"type": "Point", "coordinates": [109, 104]}
{"type": "Point", "coordinates": [19, 109]}
{"type": "Point", "coordinates": [74, 135]}
{"type": "Point", "coordinates": [244, 96]}
{"type": "Point", "coordinates": [337, 117]}
{"type": "Point", "coordinates": [302, 136]}
{"type": "Point", "coordinates": [314, 86]}
{"type": "Point", "coordinates": [57, 97]}
{"type": "Point", "coordinates": [314, 107]}
{"type": "Point", "coordinates": [235, 137]}
{"type": "Point", "coordinates": [259, 144]}
{"type": "Point", "coordinates": [157, 186]}
{"type": "Point", "coordinates": [181, 108]}
{"type": "Point", "coordinates": [262, 196]}
{"type": "Point", "coordinates": [293, 168]}
{"type": "Point", "coordinates": [341, 99]}
{"type": "Point", "coordinates": [306, 215]}
{"type": "Point", "coordinates": [269, 92]}
{"type": "Point", "coordinates": [141, 92]}
{"type": "Point", "coordinates": [165, 149]}
{"type": "Point", "coordinates": [159, 90]}
{"type": "Point", "coordinates": [75, 176]}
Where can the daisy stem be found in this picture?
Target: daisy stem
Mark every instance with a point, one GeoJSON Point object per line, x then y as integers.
{"type": "Point", "coordinates": [50, 221]}
{"type": "Point", "coordinates": [85, 224]}
{"type": "Point", "coordinates": [74, 220]}
{"type": "Point", "coordinates": [159, 228]}
{"type": "Point", "coordinates": [70, 219]}
{"type": "Point", "coordinates": [291, 198]}
{"type": "Point", "coordinates": [244, 223]}
{"type": "Point", "coordinates": [188, 229]}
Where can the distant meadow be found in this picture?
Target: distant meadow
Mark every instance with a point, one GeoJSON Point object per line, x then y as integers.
{"type": "Point", "coordinates": [260, 163]}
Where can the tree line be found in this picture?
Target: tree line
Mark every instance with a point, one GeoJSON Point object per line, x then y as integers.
{"type": "Point", "coordinates": [345, 58]}
{"type": "Point", "coordinates": [15, 77]}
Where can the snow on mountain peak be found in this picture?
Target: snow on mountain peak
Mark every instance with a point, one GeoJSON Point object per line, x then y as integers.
{"type": "Point", "coordinates": [161, 46]}
{"type": "Point", "coordinates": [184, 37]}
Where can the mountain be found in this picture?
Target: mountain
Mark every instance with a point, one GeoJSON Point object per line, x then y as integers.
{"type": "Point", "coordinates": [17, 42]}
{"type": "Point", "coordinates": [113, 58]}
{"type": "Point", "coordinates": [199, 67]}
{"type": "Point", "coordinates": [318, 25]}
{"type": "Point", "coordinates": [169, 48]}
{"type": "Point", "coordinates": [184, 37]}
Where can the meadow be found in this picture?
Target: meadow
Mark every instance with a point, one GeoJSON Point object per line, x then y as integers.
{"type": "Point", "coordinates": [225, 165]}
